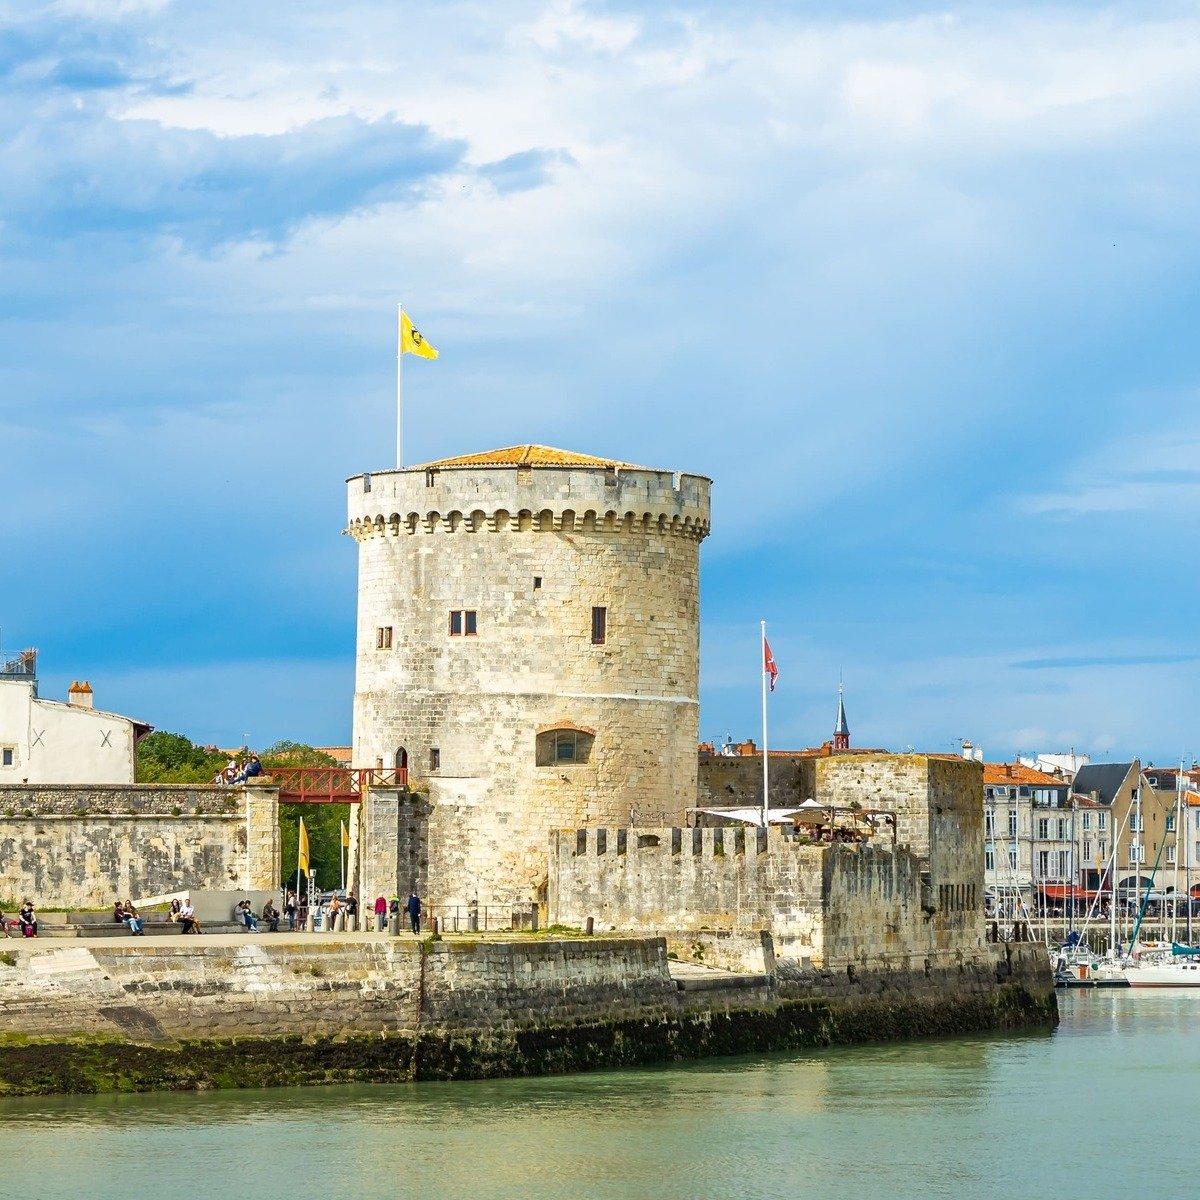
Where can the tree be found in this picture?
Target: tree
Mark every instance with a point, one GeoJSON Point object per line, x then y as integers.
{"type": "Point", "coordinates": [295, 754]}
{"type": "Point", "coordinates": [173, 758]}
{"type": "Point", "coordinates": [322, 821]}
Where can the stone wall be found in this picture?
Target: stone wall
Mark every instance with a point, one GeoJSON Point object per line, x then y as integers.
{"type": "Point", "coordinates": [830, 904]}
{"type": "Point", "coordinates": [82, 846]}
{"type": "Point", "coordinates": [212, 988]}
{"type": "Point", "coordinates": [288, 1010]}
{"type": "Point", "coordinates": [736, 781]}
{"type": "Point", "coordinates": [530, 553]}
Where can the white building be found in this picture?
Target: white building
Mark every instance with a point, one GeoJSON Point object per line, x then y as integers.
{"type": "Point", "coordinates": [49, 741]}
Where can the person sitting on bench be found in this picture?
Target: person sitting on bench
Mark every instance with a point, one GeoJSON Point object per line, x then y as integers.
{"type": "Point", "coordinates": [187, 917]}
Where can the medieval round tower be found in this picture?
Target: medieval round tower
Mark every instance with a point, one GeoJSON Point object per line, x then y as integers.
{"type": "Point", "coordinates": [528, 652]}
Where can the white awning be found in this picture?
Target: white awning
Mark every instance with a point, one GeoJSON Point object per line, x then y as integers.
{"type": "Point", "coordinates": [751, 816]}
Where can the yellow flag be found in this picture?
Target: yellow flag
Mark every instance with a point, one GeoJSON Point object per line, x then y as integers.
{"type": "Point", "coordinates": [411, 341]}
{"type": "Point", "coordinates": [345, 835]}
{"type": "Point", "coordinates": [302, 852]}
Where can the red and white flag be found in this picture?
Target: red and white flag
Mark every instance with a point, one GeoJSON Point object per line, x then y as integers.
{"type": "Point", "coordinates": [769, 663]}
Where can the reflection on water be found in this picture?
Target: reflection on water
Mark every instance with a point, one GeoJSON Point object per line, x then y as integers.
{"type": "Point", "coordinates": [1075, 1111]}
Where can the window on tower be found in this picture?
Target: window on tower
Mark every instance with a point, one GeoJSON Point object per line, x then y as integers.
{"type": "Point", "coordinates": [463, 622]}
{"type": "Point", "coordinates": [599, 626]}
{"type": "Point", "coordinates": [383, 637]}
{"type": "Point", "coordinates": [565, 744]}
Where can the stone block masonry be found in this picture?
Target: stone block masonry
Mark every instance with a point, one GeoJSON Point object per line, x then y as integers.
{"type": "Point", "coordinates": [528, 649]}
{"type": "Point", "coordinates": [77, 846]}
{"type": "Point", "coordinates": [288, 1010]}
{"type": "Point", "coordinates": [826, 904]}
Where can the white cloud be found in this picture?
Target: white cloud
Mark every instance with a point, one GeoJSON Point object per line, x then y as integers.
{"type": "Point", "coordinates": [1153, 471]}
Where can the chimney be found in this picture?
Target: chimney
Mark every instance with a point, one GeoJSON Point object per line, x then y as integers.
{"type": "Point", "coordinates": [79, 695]}
{"type": "Point", "coordinates": [966, 749]}
{"type": "Point", "coordinates": [1008, 769]}
{"type": "Point", "coordinates": [979, 754]}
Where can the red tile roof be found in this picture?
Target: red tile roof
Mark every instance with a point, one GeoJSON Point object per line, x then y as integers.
{"type": "Point", "coordinates": [528, 455]}
{"type": "Point", "coordinates": [1010, 773]}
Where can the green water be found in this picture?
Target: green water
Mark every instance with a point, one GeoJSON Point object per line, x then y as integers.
{"type": "Point", "coordinates": [1101, 1108]}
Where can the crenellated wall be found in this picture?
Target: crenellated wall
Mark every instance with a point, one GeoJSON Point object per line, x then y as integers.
{"type": "Point", "coordinates": [829, 904]}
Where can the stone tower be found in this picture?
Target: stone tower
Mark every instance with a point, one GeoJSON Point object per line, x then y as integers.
{"type": "Point", "coordinates": [528, 649]}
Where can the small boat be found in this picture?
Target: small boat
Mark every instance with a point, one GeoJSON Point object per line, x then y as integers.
{"type": "Point", "coordinates": [1088, 971]}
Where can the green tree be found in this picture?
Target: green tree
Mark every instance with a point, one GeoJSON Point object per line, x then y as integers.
{"type": "Point", "coordinates": [295, 754]}
{"type": "Point", "coordinates": [322, 821]}
{"type": "Point", "coordinates": [173, 758]}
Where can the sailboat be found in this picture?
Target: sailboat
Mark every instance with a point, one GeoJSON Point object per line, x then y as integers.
{"type": "Point", "coordinates": [1159, 967]}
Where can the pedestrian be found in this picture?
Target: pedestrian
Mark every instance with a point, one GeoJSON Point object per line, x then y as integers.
{"type": "Point", "coordinates": [335, 907]}
{"type": "Point", "coordinates": [352, 913]}
{"type": "Point", "coordinates": [414, 912]}
{"type": "Point", "coordinates": [289, 909]}
{"type": "Point", "coordinates": [381, 908]}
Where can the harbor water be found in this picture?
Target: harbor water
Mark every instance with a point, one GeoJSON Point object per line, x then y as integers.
{"type": "Point", "coordinates": [1102, 1102]}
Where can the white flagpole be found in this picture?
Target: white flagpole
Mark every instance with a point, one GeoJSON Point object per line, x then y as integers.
{"type": "Point", "coordinates": [342, 850]}
{"type": "Point", "coordinates": [766, 804]}
{"type": "Point", "coordinates": [399, 386]}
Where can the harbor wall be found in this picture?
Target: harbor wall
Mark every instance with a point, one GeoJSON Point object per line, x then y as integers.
{"type": "Point", "coordinates": [290, 1010]}
{"type": "Point", "coordinates": [81, 846]}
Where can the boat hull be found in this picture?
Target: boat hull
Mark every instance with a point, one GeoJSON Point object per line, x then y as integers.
{"type": "Point", "coordinates": [1166, 975]}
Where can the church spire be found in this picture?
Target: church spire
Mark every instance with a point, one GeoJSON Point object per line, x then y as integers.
{"type": "Point", "coordinates": [841, 732]}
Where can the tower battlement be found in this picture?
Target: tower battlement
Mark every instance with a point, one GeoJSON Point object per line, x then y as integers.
{"type": "Point", "coordinates": [600, 499]}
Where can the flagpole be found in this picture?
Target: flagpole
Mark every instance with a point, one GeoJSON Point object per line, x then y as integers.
{"type": "Point", "coordinates": [399, 386]}
{"type": "Point", "coordinates": [766, 804]}
{"type": "Point", "coordinates": [342, 848]}
{"type": "Point", "coordinates": [299, 822]}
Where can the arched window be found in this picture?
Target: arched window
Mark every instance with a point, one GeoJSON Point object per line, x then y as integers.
{"type": "Point", "coordinates": [564, 743]}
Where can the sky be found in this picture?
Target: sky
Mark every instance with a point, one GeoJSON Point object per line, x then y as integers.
{"type": "Point", "coordinates": [916, 286]}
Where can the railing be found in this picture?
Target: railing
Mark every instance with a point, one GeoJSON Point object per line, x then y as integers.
{"type": "Point", "coordinates": [333, 785]}
{"type": "Point", "coordinates": [457, 918]}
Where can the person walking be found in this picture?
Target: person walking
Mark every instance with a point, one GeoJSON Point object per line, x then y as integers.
{"type": "Point", "coordinates": [414, 912]}
{"type": "Point", "coordinates": [380, 913]}
{"type": "Point", "coordinates": [289, 909]}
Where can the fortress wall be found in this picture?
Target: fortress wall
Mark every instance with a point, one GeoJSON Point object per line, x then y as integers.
{"type": "Point", "coordinates": [736, 781]}
{"type": "Point", "coordinates": [71, 846]}
{"type": "Point", "coordinates": [830, 904]}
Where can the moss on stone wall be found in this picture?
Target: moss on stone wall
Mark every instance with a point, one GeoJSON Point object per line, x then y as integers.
{"type": "Point", "coordinates": [42, 1066]}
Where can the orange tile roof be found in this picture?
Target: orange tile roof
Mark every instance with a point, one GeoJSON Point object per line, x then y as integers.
{"type": "Point", "coordinates": [1017, 773]}
{"type": "Point", "coordinates": [528, 455]}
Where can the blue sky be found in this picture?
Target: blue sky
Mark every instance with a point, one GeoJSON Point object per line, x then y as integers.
{"type": "Point", "coordinates": [916, 286]}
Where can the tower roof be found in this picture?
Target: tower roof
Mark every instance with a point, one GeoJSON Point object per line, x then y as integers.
{"type": "Point", "coordinates": [529, 455]}
{"type": "Point", "coordinates": [841, 728]}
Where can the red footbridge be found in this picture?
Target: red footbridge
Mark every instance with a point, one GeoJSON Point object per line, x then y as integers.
{"type": "Point", "coordinates": [332, 785]}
